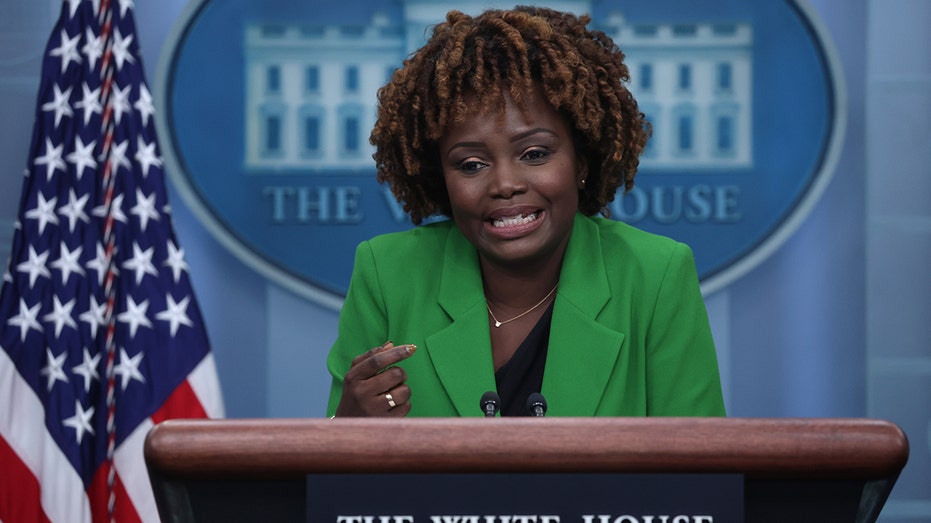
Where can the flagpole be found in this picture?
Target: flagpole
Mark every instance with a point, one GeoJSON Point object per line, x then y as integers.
{"type": "Point", "coordinates": [105, 19]}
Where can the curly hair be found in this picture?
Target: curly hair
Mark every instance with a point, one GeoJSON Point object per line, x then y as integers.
{"type": "Point", "coordinates": [499, 54]}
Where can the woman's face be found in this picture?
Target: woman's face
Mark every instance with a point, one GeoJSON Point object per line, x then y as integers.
{"type": "Point", "coordinates": [513, 183]}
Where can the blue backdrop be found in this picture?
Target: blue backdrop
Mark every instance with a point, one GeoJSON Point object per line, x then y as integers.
{"type": "Point", "coordinates": [835, 323]}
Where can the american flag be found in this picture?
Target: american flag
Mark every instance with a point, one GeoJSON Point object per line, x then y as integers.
{"type": "Point", "coordinates": [100, 334]}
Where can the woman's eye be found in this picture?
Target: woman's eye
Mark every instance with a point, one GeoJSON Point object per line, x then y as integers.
{"type": "Point", "coordinates": [536, 155]}
{"type": "Point", "coordinates": [471, 166]}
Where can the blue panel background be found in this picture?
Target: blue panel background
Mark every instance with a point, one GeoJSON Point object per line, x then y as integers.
{"type": "Point", "coordinates": [837, 322]}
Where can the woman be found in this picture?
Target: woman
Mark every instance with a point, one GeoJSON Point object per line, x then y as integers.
{"type": "Point", "coordinates": [517, 126]}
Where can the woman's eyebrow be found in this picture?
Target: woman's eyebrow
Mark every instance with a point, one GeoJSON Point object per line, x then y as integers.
{"type": "Point", "coordinates": [530, 132]}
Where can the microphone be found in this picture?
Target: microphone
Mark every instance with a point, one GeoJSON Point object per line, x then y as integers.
{"type": "Point", "coordinates": [490, 403]}
{"type": "Point", "coordinates": [536, 405]}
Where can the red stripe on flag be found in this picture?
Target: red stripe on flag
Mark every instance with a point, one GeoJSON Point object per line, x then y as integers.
{"type": "Point", "coordinates": [97, 492]}
{"type": "Point", "coordinates": [183, 403]}
{"type": "Point", "coordinates": [20, 500]}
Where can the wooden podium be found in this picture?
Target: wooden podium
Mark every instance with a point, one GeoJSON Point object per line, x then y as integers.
{"type": "Point", "coordinates": [795, 470]}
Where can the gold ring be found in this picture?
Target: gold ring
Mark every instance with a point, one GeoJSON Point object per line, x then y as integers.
{"type": "Point", "coordinates": [390, 399]}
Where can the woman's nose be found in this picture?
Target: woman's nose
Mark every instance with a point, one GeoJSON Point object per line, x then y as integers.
{"type": "Point", "coordinates": [507, 181]}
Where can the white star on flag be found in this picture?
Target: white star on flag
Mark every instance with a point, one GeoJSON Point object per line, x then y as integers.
{"type": "Point", "coordinates": [144, 208]}
{"type": "Point", "coordinates": [128, 368]}
{"type": "Point", "coordinates": [141, 262]}
{"type": "Point", "coordinates": [73, 7]}
{"type": "Point", "coordinates": [125, 5]}
{"type": "Point", "coordinates": [44, 212]}
{"type": "Point", "coordinates": [93, 47]}
{"type": "Point", "coordinates": [67, 50]}
{"type": "Point", "coordinates": [121, 103]}
{"type": "Point", "coordinates": [88, 369]}
{"type": "Point", "coordinates": [116, 210]}
{"type": "Point", "coordinates": [82, 157]}
{"type": "Point", "coordinates": [175, 260]}
{"type": "Point", "coordinates": [100, 263]}
{"type": "Point", "coordinates": [144, 105]}
{"type": "Point", "coordinates": [135, 315]}
{"type": "Point", "coordinates": [67, 262]}
{"type": "Point", "coordinates": [94, 316]}
{"type": "Point", "coordinates": [60, 104]}
{"type": "Point", "coordinates": [74, 210]}
{"type": "Point", "coordinates": [145, 155]}
{"type": "Point", "coordinates": [121, 50]}
{"type": "Point", "coordinates": [35, 266]}
{"type": "Point", "coordinates": [81, 421]}
{"type": "Point", "coordinates": [51, 159]}
{"type": "Point", "coordinates": [61, 315]}
{"type": "Point", "coordinates": [53, 368]}
{"type": "Point", "coordinates": [26, 319]}
{"type": "Point", "coordinates": [175, 314]}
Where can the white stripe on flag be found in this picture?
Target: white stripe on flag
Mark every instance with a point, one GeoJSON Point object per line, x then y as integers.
{"type": "Point", "coordinates": [129, 461]}
{"type": "Point", "coordinates": [22, 425]}
{"type": "Point", "coordinates": [206, 386]}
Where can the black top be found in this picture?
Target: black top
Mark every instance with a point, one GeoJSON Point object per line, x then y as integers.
{"type": "Point", "coordinates": [522, 375]}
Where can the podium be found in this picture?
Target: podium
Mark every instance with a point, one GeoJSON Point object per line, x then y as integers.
{"type": "Point", "coordinates": [799, 470]}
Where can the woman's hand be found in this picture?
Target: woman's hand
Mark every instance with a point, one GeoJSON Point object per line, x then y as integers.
{"type": "Point", "coordinates": [373, 387]}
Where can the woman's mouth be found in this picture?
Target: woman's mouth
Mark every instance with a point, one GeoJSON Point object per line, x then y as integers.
{"type": "Point", "coordinates": [511, 221]}
{"type": "Point", "coordinates": [509, 226]}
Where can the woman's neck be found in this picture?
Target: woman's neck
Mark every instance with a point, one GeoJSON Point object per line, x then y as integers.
{"type": "Point", "coordinates": [509, 289]}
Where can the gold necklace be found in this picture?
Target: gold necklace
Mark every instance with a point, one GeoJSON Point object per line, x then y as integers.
{"type": "Point", "coordinates": [526, 312]}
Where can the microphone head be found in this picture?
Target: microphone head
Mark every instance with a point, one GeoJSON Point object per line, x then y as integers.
{"type": "Point", "coordinates": [536, 404]}
{"type": "Point", "coordinates": [490, 403]}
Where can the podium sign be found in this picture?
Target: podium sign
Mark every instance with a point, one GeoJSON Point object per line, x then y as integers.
{"type": "Point", "coordinates": [525, 498]}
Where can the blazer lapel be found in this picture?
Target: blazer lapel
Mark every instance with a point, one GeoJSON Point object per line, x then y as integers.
{"type": "Point", "coordinates": [461, 352]}
{"type": "Point", "coordinates": [582, 353]}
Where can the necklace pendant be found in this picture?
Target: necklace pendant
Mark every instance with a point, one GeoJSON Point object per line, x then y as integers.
{"type": "Point", "coordinates": [497, 323]}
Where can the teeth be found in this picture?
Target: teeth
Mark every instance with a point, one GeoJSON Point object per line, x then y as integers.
{"type": "Point", "coordinates": [514, 220]}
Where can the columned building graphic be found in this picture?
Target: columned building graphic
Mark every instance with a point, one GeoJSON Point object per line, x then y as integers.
{"type": "Point", "coordinates": [694, 84]}
{"type": "Point", "coordinates": [311, 90]}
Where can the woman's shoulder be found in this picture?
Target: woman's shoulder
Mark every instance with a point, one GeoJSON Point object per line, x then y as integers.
{"type": "Point", "coordinates": [634, 255]}
{"type": "Point", "coordinates": [619, 238]}
{"type": "Point", "coordinates": [419, 241]}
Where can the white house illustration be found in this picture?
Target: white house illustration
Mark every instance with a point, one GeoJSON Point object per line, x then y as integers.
{"type": "Point", "coordinates": [311, 90]}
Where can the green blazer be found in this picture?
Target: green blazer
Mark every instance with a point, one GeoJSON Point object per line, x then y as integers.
{"type": "Point", "coordinates": [629, 334]}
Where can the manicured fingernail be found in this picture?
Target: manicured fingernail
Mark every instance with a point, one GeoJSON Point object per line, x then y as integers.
{"type": "Point", "coordinates": [411, 348]}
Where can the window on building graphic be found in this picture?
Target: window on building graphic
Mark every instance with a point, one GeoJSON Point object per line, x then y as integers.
{"type": "Point", "coordinates": [725, 78]}
{"type": "Point", "coordinates": [273, 79]}
{"type": "Point", "coordinates": [645, 30]}
{"type": "Point", "coordinates": [646, 77]}
{"type": "Point", "coordinates": [312, 134]}
{"type": "Point", "coordinates": [351, 134]}
{"type": "Point", "coordinates": [352, 79]}
{"type": "Point", "coordinates": [724, 118]}
{"type": "Point", "coordinates": [313, 31]}
{"type": "Point", "coordinates": [684, 30]}
{"type": "Point", "coordinates": [724, 29]}
{"type": "Point", "coordinates": [272, 135]}
{"type": "Point", "coordinates": [350, 129]}
{"type": "Point", "coordinates": [273, 31]}
{"type": "Point", "coordinates": [354, 31]}
{"type": "Point", "coordinates": [686, 131]}
{"type": "Point", "coordinates": [725, 134]}
{"type": "Point", "coordinates": [311, 131]}
{"type": "Point", "coordinates": [685, 77]}
{"type": "Point", "coordinates": [312, 79]}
